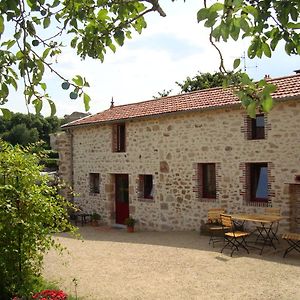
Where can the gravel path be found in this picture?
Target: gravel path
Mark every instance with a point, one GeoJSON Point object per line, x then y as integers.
{"type": "Point", "coordinates": [114, 264]}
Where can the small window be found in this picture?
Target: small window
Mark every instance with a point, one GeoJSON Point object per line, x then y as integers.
{"type": "Point", "coordinates": [258, 182]}
{"type": "Point", "coordinates": [209, 180]}
{"type": "Point", "coordinates": [119, 137]}
{"type": "Point", "coordinates": [146, 186]}
{"type": "Point", "coordinates": [258, 127]}
{"type": "Point", "coordinates": [94, 183]}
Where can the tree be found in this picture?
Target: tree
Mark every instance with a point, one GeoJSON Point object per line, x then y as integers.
{"type": "Point", "coordinates": [207, 80]}
{"type": "Point", "coordinates": [21, 135]}
{"type": "Point", "coordinates": [94, 26]}
{"type": "Point", "coordinates": [28, 128]}
{"type": "Point", "coordinates": [203, 81]}
{"type": "Point", "coordinates": [164, 93]}
{"type": "Point", "coordinates": [31, 211]}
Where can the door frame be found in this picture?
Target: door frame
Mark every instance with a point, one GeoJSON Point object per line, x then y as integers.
{"type": "Point", "coordinates": [121, 208]}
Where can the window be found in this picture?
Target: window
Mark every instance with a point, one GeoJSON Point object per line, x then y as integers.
{"type": "Point", "coordinates": [258, 178]}
{"type": "Point", "coordinates": [94, 183]}
{"type": "Point", "coordinates": [146, 186]}
{"type": "Point", "coordinates": [119, 138]}
{"type": "Point", "coordinates": [209, 180]}
{"type": "Point", "coordinates": [258, 127]}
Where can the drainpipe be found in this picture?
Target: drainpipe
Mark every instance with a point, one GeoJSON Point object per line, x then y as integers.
{"type": "Point", "coordinates": [71, 161]}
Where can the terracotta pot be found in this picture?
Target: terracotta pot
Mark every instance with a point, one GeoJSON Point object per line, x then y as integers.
{"type": "Point", "coordinates": [130, 229]}
{"type": "Point", "coordinates": [95, 223]}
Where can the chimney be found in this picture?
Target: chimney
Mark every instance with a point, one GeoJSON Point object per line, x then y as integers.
{"type": "Point", "coordinates": [112, 102]}
{"type": "Point", "coordinates": [267, 76]}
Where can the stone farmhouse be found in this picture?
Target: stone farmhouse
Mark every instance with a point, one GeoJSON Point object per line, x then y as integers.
{"type": "Point", "coordinates": [167, 161]}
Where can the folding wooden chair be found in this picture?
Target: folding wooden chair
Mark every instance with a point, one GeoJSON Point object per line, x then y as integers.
{"type": "Point", "coordinates": [215, 226]}
{"type": "Point", "coordinates": [234, 238]}
{"type": "Point", "coordinates": [294, 241]}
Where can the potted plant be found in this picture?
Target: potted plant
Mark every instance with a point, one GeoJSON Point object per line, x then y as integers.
{"type": "Point", "coordinates": [95, 219]}
{"type": "Point", "coordinates": [130, 222]}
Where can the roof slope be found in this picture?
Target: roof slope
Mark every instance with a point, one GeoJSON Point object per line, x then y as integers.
{"type": "Point", "coordinates": [287, 88]}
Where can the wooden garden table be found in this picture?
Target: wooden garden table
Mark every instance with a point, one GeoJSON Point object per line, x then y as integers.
{"type": "Point", "coordinates": [266, 232]}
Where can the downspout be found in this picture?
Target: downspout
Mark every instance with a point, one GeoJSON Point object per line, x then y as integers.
{"type": "Point", "coordinates": [70, 132]}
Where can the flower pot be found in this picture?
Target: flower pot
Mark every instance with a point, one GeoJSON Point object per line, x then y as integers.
{"type": "Point", "coordinates": [130, 229]}
{"type": "Point", "coordinates": [95, 223]}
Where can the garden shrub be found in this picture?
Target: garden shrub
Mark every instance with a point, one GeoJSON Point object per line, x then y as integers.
{"type": "Point", "coordinates": [31, 211]}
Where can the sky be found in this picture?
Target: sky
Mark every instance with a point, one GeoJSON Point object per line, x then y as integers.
{"type": "Point", "coordinates": [168, 50]}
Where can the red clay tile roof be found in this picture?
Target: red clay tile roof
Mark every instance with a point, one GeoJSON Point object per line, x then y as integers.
{"type": "Point", "coordinates": [287, 88]}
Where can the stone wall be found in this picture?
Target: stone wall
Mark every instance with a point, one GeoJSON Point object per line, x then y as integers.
{"type": "Point", "coordinates": [62, 143]}
{"type": "Point", "coordinates": [170, 147]}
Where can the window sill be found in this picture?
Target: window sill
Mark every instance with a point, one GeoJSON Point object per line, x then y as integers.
{"type": "Point", "coordinates": [205, 199]}
{"type": "Point", "coordinates": [258, 203]}
{"type": "Point", "coordinates": [256, 139]}
{"type": "Point", "coordinates": [94, 194]}
{"type": "Point", "coordinates": [148, 200]}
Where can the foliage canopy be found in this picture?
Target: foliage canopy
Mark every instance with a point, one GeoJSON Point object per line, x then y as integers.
{"type": "Point", "coordinates": [23, 129]}
{"type": "Point", "coordinates": [92, 27]}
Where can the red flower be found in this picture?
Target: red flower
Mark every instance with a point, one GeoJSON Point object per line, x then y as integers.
{"type": "Point", "coordinates": [50, 295]}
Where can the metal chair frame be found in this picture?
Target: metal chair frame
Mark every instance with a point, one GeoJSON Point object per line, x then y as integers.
{"type": "Point", "coordinates": [232, 236]}
{"type": "Point", "coordinates": [269, 230]}
{"type": "Point", "coordinates": [293, 240]}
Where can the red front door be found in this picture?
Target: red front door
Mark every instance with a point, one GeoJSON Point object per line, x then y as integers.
{"type": "Point", "coordinates": [122, 197]}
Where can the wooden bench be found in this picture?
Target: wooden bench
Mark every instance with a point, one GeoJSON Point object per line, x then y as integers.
{"type": "Point", "coordinates": [294, 241]}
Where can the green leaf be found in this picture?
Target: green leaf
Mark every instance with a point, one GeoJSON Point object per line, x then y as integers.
{"type": "Point", "coordinates": [102, 14]}
{"type": "Point", "coordinates": [1, 24]}
{"type": "Point", "coordinates": [46, 22]}
{"type": "Point", "coordinates": [46, 52]}
{"type": "Point", "coordinates": [202, 14]}
{"type": "Point", "coordinates": [112, 47]}
{"type": "Point", "coordinates": [4, 91]}
{"type": "Point", "coordinates": [119, 37]}
{"type": "Point", "coordinates": [234, 33]}
{"type": "Point", "coordinates": [78, 80]}
{"type": "Point", "coordinates": [274, 42]}
{"type": "Point", "coordinates": [43, 86]}
{"type": "Point", "coordinates": [10, 44]}
{"type": "Point", "coordinates": [212, 19]}
{"type": "Point", "coordinates": [269, 88]}
{"type": "Point", "coordinates": [52, 107]}
{"type": "Point", "coordinates": [244, 25]}
{"type": "Point", "coordinates": [86, 100]}
{"type": "Point", "coordinates": [74, 42]}
{"type": "Point", "coordinates": [6, 113]}
{"type": "Point", "coordinates": [266, 50]}
{"type": "Point", "coordinates": [267, 104]}
{"type": "Point", "coordinates": [38, 105]}
{"type": "Point", "coordinates": [292, 25]}
{"type": "Point", "coordinates": [294, 13]}
{"type": "Point", "coordinates": [236, 63]}
{"type": "Point", "coordinates": [216, 7]}
{"type": "Point", "coordinates": [30, 28]}
{"type": "Point", "coordinates": [251, 10]}
{"type": "Point", "coordinates": [251, 109]}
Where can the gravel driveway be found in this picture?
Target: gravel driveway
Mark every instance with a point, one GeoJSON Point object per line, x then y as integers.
{"type": "Point", "coordinates": [113, 264]}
